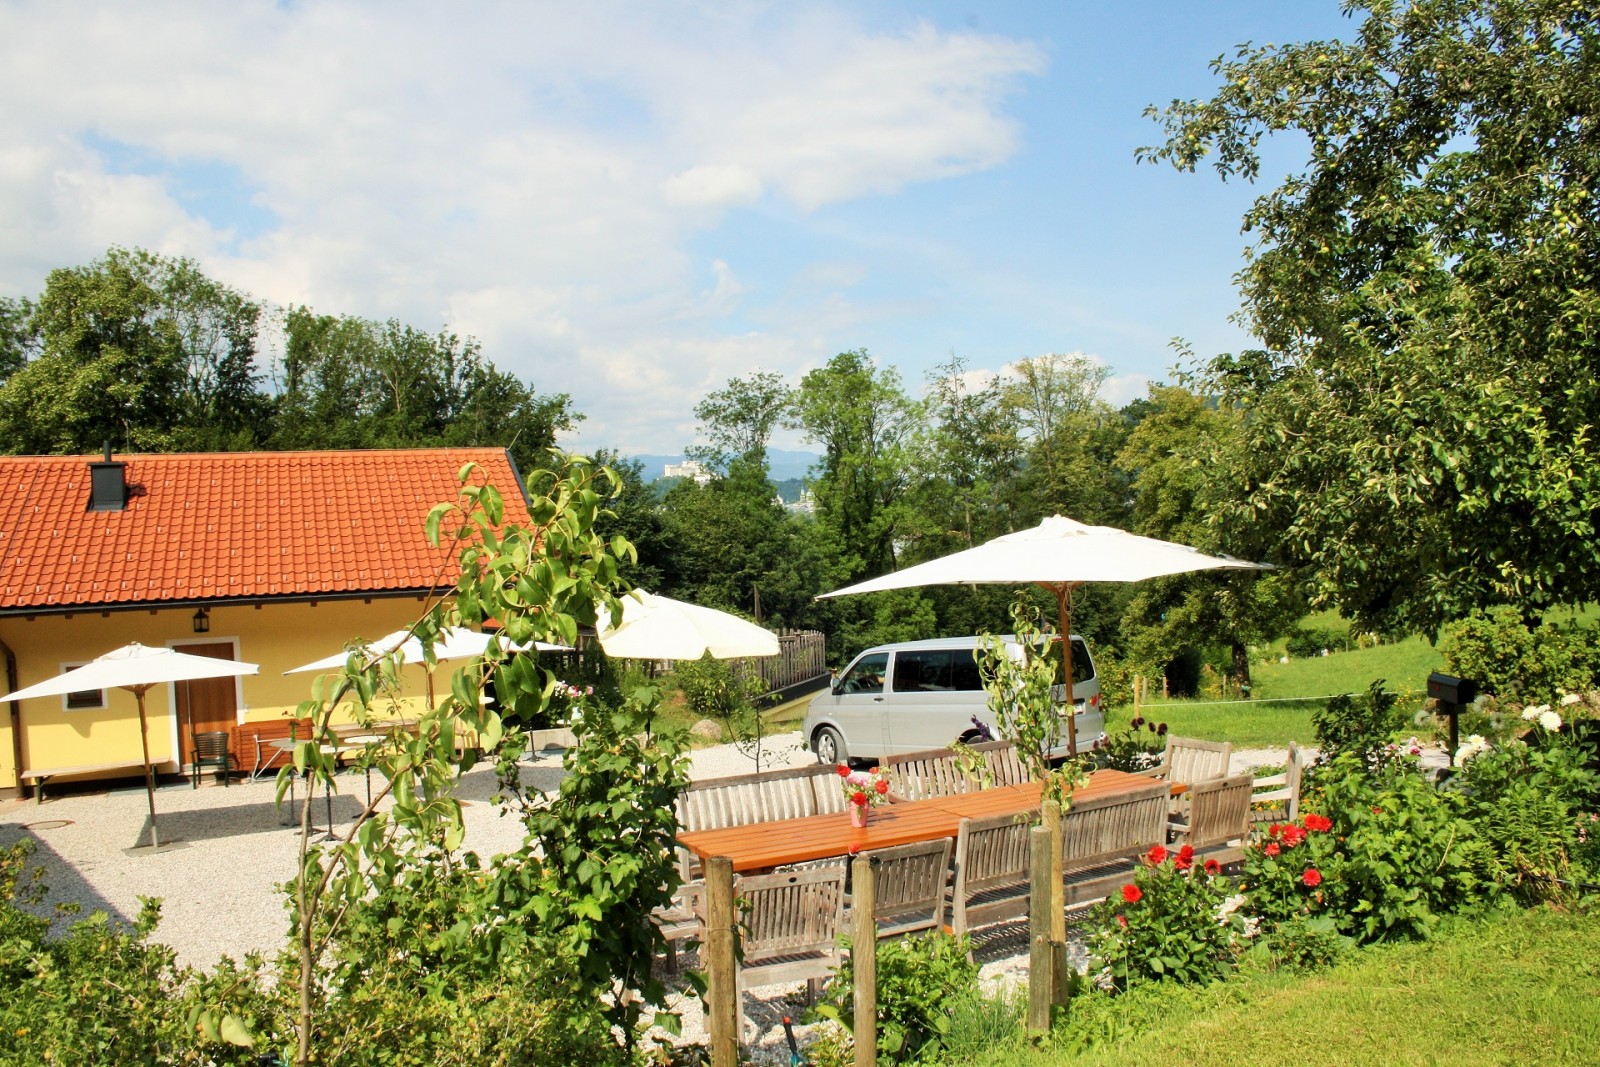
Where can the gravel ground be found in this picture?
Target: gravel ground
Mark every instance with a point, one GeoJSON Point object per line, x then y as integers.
{"type": "Point", "coordinates": [219, 884]}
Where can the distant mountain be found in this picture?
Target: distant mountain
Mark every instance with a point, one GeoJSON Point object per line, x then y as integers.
{"type": "Point", "coordinates": [783, 463]}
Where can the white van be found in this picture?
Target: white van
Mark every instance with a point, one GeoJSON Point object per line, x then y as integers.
{"type": "Point", "coordinates": [918, 695]}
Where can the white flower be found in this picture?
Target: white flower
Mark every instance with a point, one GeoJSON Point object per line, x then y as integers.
{"type": "Point", "coordinates": [1530, 713]}
{"type": "Point", "coordinates": [1570, 699]}
{"type": "Point", "coordinates": [1550, 721]}
{"type": "Point", "coordinates": [1474, 746]}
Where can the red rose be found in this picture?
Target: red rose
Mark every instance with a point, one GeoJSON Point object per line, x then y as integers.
{"type": "Point", "coordinates": [844, 770]}
{"type": "Point", "coordinates": [1186, 853]}
{"type": "Point", "coordinates": [873, 771]}
{"type": "Point", "coordinates": [1182, 862]}
{"type": "Point", "coordinates": [1312, 878]}
{"type": "Point", "coordinates": [882, 786]}
{"type": "Point", "coordinates": [1319, 823]}
{"type": "Point", "coordinates": [1213, 867]}
{"type": "Point", "coordinates": [1271, 848]}
{"type": "Point", "coordinates": [1274, 830]}
{"type": "Point", "coordinates": [859, 798]}
{"type": "Point", "coordinates": [1122, 920]}
{"type": "Point", "coordinates": [1293, 835]}
{"type": "Point", "coordinates": [1132, 894]}
{"type": "Point", "coordinates": [1377, 811]}
{"type": "Point", "coordinates": [1156, 856]}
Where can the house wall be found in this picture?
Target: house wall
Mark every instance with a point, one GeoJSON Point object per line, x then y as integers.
{"type": "Point", "coordinates": [276, 636]}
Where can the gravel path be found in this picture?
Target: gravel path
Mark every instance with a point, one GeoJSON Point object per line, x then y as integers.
{"type": "Point", "coordinates": [219, 886]}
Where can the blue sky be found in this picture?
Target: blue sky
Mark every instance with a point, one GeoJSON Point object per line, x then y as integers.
{"type": "Point", "coordinates": [633, 203]}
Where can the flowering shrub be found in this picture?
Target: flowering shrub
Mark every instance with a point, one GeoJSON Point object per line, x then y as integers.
{"type": "Point", "coordinates": [1526, 796]}
{"type": "Point", "coordinates": [1169, 922]}
{"type": "Point", "coordinates": [864, 788]}
{"type": "Point", "coordinates": [1285, 872]}
{"type": "Point", "coordinates": [1138, 748]}
{"type": "Point", "coordinates": [1406, 853]}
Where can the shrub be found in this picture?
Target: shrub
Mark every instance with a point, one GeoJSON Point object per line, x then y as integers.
{"type": "Point", "coordinates": [1525, 797]}
{"type": "Point", "coordinates": [1307, 641]}
{"type": "Point", "coordinates": [922, 983]}
{"type": "Point", "coordinates": [1166, 923]}
{"type": "Point", "coordinates": [1137, 748]}
{"type": "Point", "coordinates": [1290, 874]}
{"type": "Point", "coordinates": [1498, 650]}
{"type": "Point", "coordinates": [1408, 854]}
{"type": "Point", "coordinates": [1361, 724]}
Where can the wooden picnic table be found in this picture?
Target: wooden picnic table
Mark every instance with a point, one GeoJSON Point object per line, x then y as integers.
{"type": "Point", "coordinates": [765, 845]}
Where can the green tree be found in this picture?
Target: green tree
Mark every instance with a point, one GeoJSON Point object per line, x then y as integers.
{"type": "Point", "coordinates": [1069, 436]}
{"type": "Point", "coordinates": [1172, 457]}
{"type": "Point", "coordinates": [737, 421]}
{"type": "Point", "coordinates": [1420, 425]}
{"type": "Point", "coordinates": [862, 417]}
{"type": "Point", "coordinates": [137, 349]}
{"type": "Point", "coordinates": [19, 339]}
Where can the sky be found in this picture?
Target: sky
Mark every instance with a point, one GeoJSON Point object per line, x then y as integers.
{"type": "Point", "coordinates": [633, 203]}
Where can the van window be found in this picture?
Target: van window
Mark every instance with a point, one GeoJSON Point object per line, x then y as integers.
{"type": "Point", "coordinates": [964, 674]}
{"type": "Point", "coordinates": [922, 670]}
{"type": "Point", "coordinates": [866, 674]}
{"type": "Point", "coordinates": [1082, 665]}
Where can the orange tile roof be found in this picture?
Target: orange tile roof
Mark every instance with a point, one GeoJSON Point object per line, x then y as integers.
{"type": "Point", "coordinates": [202, 526]}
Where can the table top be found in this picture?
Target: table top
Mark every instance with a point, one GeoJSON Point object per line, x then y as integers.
{"type": "Point", "coordinates": [762, 846]}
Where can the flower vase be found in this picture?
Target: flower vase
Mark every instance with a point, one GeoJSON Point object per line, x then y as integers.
{"type": "Point", "coordinates": [858, 815]}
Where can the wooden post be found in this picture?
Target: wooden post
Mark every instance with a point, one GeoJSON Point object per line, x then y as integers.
{"type": "Point", "coordinates": [864, 958]}
{"type": "Point", "coordinates": [1041, 958]}
{"type": "Point", "coordinates": [1050, 819]}
{"type": "Point", "coordinates": [1138, 684]}
{"type": "Point", "coordinates": [722, 969]}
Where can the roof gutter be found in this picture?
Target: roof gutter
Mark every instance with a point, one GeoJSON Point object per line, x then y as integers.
{"type": "Point", "coordinates": [222, 602]}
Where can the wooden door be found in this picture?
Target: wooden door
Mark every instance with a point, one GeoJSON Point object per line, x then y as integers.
{"type": "Point", "coordinates": [211, 703]}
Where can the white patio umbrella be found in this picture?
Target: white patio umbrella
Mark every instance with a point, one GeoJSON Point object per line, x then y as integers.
{"type": "Point", "coordinates": [136, 668]}
{"type": "Point", "coordinates": [458, 643]}
{"type": "Point", "coordinates": [658, 627]}
{"type": "Point", "coordinates": [1059, 554]}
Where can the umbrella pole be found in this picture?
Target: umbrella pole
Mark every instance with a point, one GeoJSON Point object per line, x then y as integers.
{"type": "Point", "coordinates": [149, 774]}
{"type": "Point", "coordinates": [1063, 592]}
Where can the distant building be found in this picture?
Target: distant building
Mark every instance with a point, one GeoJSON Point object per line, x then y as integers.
{"type": "Point", "coordinates": [688, 469]}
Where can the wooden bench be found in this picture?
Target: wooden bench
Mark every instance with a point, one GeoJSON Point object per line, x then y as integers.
{"type": "Point", "coordinates": [1102, 839]}
{"type": "Point", "coordinates": [39, 777]}
{"type": "Point", "coordinates": [938, 772]}
{"type": "Point", "coordinates": [742, 799]}
{"type": "Point", "coordinates": [251, 740]}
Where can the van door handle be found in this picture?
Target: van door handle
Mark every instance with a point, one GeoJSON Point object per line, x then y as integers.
{"type": "Point", "coordinates": [877, 700]}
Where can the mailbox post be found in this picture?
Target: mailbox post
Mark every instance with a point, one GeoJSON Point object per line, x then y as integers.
{"type": "Point", "coordinates": [1451, 693]}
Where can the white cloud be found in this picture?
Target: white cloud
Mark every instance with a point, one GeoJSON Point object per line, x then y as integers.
{"type": "Point", "coordinates": [532, 175]}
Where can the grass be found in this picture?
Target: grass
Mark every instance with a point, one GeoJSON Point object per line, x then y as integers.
{"type": "Point", "coordinates": [1517, 989]}
{"type": "Point", "coordinates": [1286, 693]}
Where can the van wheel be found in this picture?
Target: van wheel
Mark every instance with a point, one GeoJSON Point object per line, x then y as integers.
{"type": "Point", "coordinates": [828, 746]}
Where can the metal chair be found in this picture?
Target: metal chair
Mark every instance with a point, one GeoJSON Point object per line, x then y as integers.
{"type": "Point", "coordinates": [210, 749]}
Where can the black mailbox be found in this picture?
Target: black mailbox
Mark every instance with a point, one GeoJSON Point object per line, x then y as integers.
{"type": "Point", "coordinates": [1448, 690]}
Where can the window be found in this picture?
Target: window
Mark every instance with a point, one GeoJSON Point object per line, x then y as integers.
{"type": "Point", "coordinates": [926, 671]}
{"type": "Point", "coordinates": [83, 699]}
{"type": "Point", "coordinates": [867, 674]}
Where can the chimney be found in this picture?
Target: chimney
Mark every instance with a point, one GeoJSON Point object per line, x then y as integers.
{"type": "Point", "coordinates": [108, 488]}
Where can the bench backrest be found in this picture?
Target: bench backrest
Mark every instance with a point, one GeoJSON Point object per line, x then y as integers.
{"type": "Point", "coordinates": [1107, 829]}
{"type": "Point", "coordinates": [791, 913]}
{"type": "Point", "coordinates": [934, 772]}
{"type": "Point", "coordinates": [1219, 811]}
{"type": "Point", "coordinates": [1004, 766]}
{"type": "Point", "coordinates": [991, 876]}
{"type": "Point", "coordinates": [1190, 760]}
{"type": "Point", "coordinates": [739, 800]}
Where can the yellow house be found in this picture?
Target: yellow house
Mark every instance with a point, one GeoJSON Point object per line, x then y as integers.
{"type": "Point", "coordinates": [274, 558]}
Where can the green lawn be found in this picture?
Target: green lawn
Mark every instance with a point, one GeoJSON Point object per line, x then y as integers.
{"type": "Point", "coordinates": [1285, 694]}
{"type": "Point", "coordinates": [1520, 989]}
